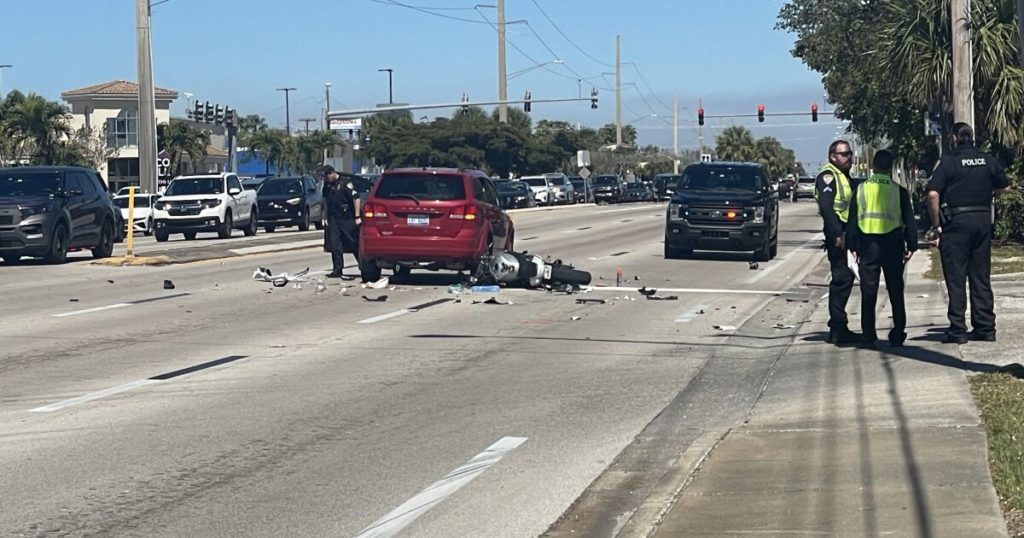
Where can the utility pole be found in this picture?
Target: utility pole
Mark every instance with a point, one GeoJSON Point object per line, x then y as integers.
{"type": "Point", "coordinates": [287, 110]}
{"type": "Point", "coordinates": [700, 128]}
{"type": "Point", "coordinates": [618, 92]}
{"type": "Point", "coordinates": [675, 133]}
{"type": "Point", "coordinates": [502, 74]}
{"type": "Point", "coordinates": [147, 99]}
{"type": "Point", "coordinates": [391, 95]}
{"type": "Point", "coordinates": [306, 121]}
{"type": "Point", "coordinates": [963, 83]}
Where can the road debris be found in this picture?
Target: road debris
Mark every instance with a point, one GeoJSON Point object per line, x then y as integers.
{"type": "Point", "coordinates": [380, 299]}
{"type": "Point", "coordinates": [923, 296]}
{"type": "Point", "coordinates": [753, 266]}
{"type": "Point", "coordinates": [110, 281]}
{"type": "Point", "coordinates": [485, 289]}
{"type": "Point", "coordinates": [320, 286]}
{"type": "Point", "coordinates": [72, 300]}
{"type": "Point", "coordinates": [168, 285]}
{"type": "Point", "coordinates": [662, 298]}
{"type": "Point", "coordinates": [378, 285]}
{"type": "Point", "coordinates": [575, 318]}
{"type": "Point", "coordinates": [262, 274]}
{"type": "Point", "coordinates": [783, 326]}
{"type": "Point", "coordinates": [456, 289]}
{"type": "Point", "coordinates": [591, 301]}
{"type": "Point", "coordinates": [725, 327]}
{"type": "Point", "coordinates": [647, 292]}
{"type": "Point", "coordinates": [493, 300]}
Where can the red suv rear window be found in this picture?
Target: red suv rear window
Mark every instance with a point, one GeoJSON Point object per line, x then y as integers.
{"type": "Point", "coordinates": [422, 186]}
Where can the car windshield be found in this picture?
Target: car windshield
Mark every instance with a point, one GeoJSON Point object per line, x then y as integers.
{"type": "Point", "coordinates": [251, 184]}
{"type": "Point", "coordinates": [605, 180]}
{"type": "Point", "coordinates": [421, 187]}
{"type": "Point", "coordinates": [140, 201]}
{"type": "Point", "coordinates": [14, 183]}
{"type": "Point", "coordinates": [185, 187]}
{"type": "Point", "coordinates": [508, 186]}
{"type": "Point", "coordinates": [806, 180]}
{"type": "Point", "coordinates": [281, 187]}
{"type": "Point", "coordinates": [535, 181]}
{"type": "Point", "coordinates": [719, 179]}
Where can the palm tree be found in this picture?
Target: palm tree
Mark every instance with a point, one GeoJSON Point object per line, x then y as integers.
{"type": "Point", "coordinates": [177, 138]}
{"type": "Point", "coordinates": [270, 145]}
{"type": "Point", "coordinates": [249, 124]}
{"type": "Point", "coordinates": [42, 123]}
{"type": "Point", "coordinates": [735, 143]}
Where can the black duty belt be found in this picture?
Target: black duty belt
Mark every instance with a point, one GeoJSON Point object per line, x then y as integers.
{"type": "Point", "coordinates": [970, 209]}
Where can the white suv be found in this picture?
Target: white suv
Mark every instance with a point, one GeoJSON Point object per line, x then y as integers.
{"type": "Point", "coordinates": [542, 189]}
{"type": "Point", "coordinates": [205, 203]}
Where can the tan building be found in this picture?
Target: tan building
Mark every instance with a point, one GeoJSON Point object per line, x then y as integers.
{"type": "Point", "coordinates": [112, 109]}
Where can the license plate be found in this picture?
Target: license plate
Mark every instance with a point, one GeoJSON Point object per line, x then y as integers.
{"type": "Point", "coordinates": [418, 220]}
{"type": "Point", "coordinates": [547, 272]}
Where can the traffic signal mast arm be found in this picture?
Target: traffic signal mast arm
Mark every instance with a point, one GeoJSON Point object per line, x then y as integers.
{"type": "Point", "coordinates": [359, 111]}
{"type": "Point", "coordinates": [766, 114]}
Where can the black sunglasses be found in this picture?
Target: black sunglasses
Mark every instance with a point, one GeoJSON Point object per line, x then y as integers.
{"type": "Point", "coordinates": [843, 153]}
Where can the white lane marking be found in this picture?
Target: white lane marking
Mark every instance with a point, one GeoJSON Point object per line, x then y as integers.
{"type": "Point", "coordinates": [620, 210]}
{"type": "Point", "coordinates": [399, 518]}
{"type": "Point", "coordinates": [781, 261]}
{"type": "Point", "coordinates": [383, 317]}
{"type": "Point", "coordinates": [688, 316]}
{"type": "Point", "coordinates": [91, 310]}
{"type": "Point", "coordinates": [94, 395]}
{"type": "Point", "coordinates": [280, 246]}
{"type": "Point", "coordinates": [693, 290]}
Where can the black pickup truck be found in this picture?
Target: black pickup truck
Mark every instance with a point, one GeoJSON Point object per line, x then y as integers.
{"type": "Point", "coordinates": [723, 206]}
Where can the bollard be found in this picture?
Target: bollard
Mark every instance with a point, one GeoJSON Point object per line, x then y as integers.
{"type": "Point", "coordinates": [618, 277]}
{"type": "Point", "coordinates": [131, 222]}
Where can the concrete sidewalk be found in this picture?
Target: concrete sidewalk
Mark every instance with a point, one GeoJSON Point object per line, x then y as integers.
{"type": "Point", "coordinates": [853, 442]}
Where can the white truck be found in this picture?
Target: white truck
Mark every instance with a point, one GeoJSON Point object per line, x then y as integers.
{"type": "Point", "coordinates": [205, 203]}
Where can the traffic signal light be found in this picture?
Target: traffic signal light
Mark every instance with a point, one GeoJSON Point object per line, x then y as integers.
{"type": "Point", "coordinates": [814, 111]}
{"type": "Point", "coordinates": [229, 117]}
{"type": "Point", "coordinates": [700, 116]}
{"type": "Point", "coordinates": [760, 113]}
{"type": "Point", "coordinates": [208, 112]}
{"type": "Point", "coordinates": [593, 98]}
{"type": "Point", "coordinates": [465, 99]}
{"type": "Point", "coordinates": [197, 111]}
{"type": "Point", "coordinates": [218, 115]}
{"type": "Point", "coordinates": [526, 102]}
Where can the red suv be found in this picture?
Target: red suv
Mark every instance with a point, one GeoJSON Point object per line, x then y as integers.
{"type": "Point", "coordinates": [431, 218]}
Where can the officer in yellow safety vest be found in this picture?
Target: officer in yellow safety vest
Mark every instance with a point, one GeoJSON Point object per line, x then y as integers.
{"type": "Point", "coordinates": [833, 191]}
{"type": "Point", "coordinates": [883, 234]}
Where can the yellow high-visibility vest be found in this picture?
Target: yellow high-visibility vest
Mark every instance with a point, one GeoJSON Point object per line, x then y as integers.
{"type": "Point", "coordinates": [878, 205]}
{"type": "Point", "coordinates": [841, 202]}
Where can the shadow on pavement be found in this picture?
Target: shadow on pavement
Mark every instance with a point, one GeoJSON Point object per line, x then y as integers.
{"type": "Point", "coordinates": [598, 340]}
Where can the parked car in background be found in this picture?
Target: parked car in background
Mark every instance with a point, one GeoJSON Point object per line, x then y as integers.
{"type": "Point", "coordinates": [431, 218]}
{"type": "Point", "coordinates": [562, 188]}
{"type": "Point", "coordinates": [290, 201]}
{"type": "Point", "coordinates": [205, 203]}
{"type": "Point", "coordinates": [638, 191]}
{"type": "Point", "coordinates": [142, 211]}
{"type": "Point", "coordinates": [361, 183]}
{"type": "Point", "coordinates": [786, 187]}
{"type": "Point", "coordinates": [608, 189]}
{"type": "Point", "coordinates": [47, 211]}
{"type": "Point", "coordinates": [664, 185]}
{"type": "Point", "coordinates": [542, 189]}
{"type": "Point", "coordinates": [514, 195]}
{"type": "Point", "coordinates": [804, 188]}
{"type": "Point", "coordinates": [579, 190]}
{"type": "Point", "coordinates": [252, 183]}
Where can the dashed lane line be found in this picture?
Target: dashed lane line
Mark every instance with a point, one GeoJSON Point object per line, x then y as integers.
{"type": "Point", "coordinates": [118, 305]}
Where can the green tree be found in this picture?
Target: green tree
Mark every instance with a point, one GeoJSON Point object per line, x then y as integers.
{"type": "Point", "coordinates": [303, 153]}
{"type": "Point", "coordinates": [735, 143]}
{"type": "Point", "coordinates": [270, 145]}
{"type": "Point", "coordinates": [607, 134]}
{"type": "Point", "coordinates": [40, 122]}
{"type": "Point", "coordinates": [179, 138]}
{"type": "Point", "coordinates": [248, 125]}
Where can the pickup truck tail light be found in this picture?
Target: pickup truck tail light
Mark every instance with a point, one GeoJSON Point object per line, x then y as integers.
{"type": "Point", "coordinates": [464, 212]}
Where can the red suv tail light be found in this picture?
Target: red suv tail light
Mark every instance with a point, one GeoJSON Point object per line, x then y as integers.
{"type": "Point", "coordinates": [464, 212]}
{"type": "Point", "coordinates": [375, 211]}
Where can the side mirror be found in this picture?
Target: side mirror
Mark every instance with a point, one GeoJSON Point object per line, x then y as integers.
{"type": "Point", "coordinates": [234, 191]}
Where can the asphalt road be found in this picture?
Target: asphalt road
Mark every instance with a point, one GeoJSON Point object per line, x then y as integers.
{"type": "Point", "coordinates": [227, 407]}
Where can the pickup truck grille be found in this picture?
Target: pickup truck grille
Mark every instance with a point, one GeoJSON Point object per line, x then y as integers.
{"type": "Point", "coordinates": [714, 215]}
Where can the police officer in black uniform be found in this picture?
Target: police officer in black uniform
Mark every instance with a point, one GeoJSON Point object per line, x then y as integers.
{"type": "Point", "coordinates": [342, 232]}
{"type": "Point", "coordinates": [883, 233]}
{"type": "Point", "coordinates": [960, 196]}
{"type": "Point", "coordinates": [833, 190]}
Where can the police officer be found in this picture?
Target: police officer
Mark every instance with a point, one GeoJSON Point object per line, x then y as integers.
{"type": "Point", "coordinates": [833, 191]}
{"type": "Point", "coordinates": [883, 233]}
{"type": "Point", "coordinates": [960, 196]}
{"type": "Point", "coordinates": [342, 231]}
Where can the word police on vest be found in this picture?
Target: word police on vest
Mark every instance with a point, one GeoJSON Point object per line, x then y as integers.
{"type": "Point", "coordinates": [973, 162]}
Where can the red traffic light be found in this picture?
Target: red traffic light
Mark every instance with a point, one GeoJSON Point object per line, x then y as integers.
{"type": "Point", "coordinates": [760, 113]}
{"type": "Point", "coordinates": [814, 111]}
{"type": "Point", "coordinates": [700, 116]}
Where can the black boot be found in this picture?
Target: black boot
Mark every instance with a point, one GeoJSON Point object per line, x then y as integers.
{"type": "Point", "coordinates": [842, 336]}
{"type": "Point", "coordinates": [896, 338]}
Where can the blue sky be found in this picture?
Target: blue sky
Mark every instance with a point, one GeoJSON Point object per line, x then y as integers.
{"type": "Point", "coordinates": [236, 52]}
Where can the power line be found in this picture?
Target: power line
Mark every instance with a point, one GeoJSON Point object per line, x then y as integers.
{"type": "Point", "coordinates": [428, 10]}
{"type": "Point", "coordinates": [571, 42]}
{"type": "Point", "coordinates": [644, 80]}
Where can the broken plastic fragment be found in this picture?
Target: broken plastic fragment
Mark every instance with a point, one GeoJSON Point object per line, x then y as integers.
{"type": "Point", "coordinates": [662, 298]}
{"type": "Point", "coordinates": [725, 327]}
{"type": "Point", "coordinates": [168, 285]}
{"type": "Point", "coordinates": [575, 318]}
{"type": "Point", "coordinates": [591, 301]}
{"type": "Point", "coordinates": [380, 299]}
{"type": "Point", "coordinates": [380, 284]}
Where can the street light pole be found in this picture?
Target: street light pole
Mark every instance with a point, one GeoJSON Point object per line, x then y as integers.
{"type": "Point", "coordinates": [287, 110]}
{"type": "Point", "coordinates": [2, 67]}
{"type": "Point", "coordinates": [391, 97]}
{"type": "Point", "coordinates": [963, 83]}
{"type": "Point", "coordinates": [502, 73]}
{"type": "Point", "coordinates": [147, 98]}
{"type": "Point", "coordinates": [618, 93]}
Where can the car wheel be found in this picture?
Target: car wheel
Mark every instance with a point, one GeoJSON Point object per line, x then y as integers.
{"type": "Point", "coordinates": [763, 254]}
{"type": "Point", "coordinates": [304, 223]}
{"type": "Point", "coordinates": [774, 251]}
{"type": "Point", "coordinates": [190, 235]}
{"type": "Point", "coordinates": [161, 237]}
{"type": "Point", "coordinates": [269, 229]}
{"type": "Point", "coordinates": [58, 251]}
{"type": "Point", "coordinates": [250, 228]}
{"type": "Point", "coordinates": [672, 253]}
{"type": "Point", "coordinates": [106, 245]}
{"type": "Point", "coordinates": [149, 228]}
{"type": "Point", "coordinates": [225, 228]}
{"type": "Point", "coordinates": [11, 259]}
{"type": "Point", "coordinates": [319, 224]}
{"type": "Point", "coordinates": [369, 270]}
